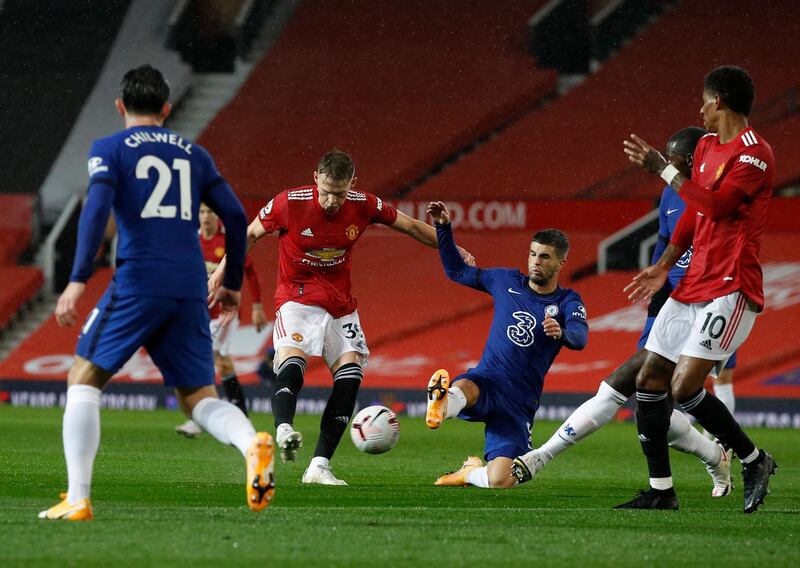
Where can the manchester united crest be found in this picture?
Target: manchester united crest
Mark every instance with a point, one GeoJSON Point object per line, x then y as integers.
{"type": "Point", "coordinates": [719, 171]}
{"type": "Point", "coordinates": [297, 337]}
{"type": "Point", "coordinates": [219, 252]}
{"type": "Point", "coordinates": [351, 232]}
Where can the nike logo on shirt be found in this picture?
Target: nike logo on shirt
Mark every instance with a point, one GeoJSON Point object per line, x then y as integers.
{"type": "Point", "coordinates": [671, 211]}
{"type": "Point", "coordinates": [514, 292]}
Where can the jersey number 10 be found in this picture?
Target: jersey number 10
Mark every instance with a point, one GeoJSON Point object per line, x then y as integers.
{"type": "Point", "coordinates": [153, 207]}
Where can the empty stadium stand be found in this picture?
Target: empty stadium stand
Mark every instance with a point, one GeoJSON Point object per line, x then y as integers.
{"type": "Point", "coordinates": [572, 148]}
{"type": "Point", "coordinates": [19, 283]}
{"type": "Point", "coordinates": [401, 85]}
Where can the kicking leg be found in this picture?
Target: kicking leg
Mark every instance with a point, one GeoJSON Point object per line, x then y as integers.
{"type": "Point", "coordinates": [684, 437]}
{"type": "Point", "coordinates": [288, 383]}
{"type": "Point", "coordinates": [445, 401]}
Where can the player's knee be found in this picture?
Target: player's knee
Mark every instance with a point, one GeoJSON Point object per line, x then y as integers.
{"type": "Point", "coordinates": [655, 374]}
{"type": "Point", "coordinates": [84, 372]}
{"type": "Point", "coordinates": [501, 478]}
{"type": "Point", "coordinates": [470, 390]}
{"type": "Point", "coordinates": [224, 364]}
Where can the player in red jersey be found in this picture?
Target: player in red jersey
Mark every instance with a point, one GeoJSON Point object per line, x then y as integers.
{"type": "Point", "coordinates": [713, 308]}
{"type": "Point", "coordinates": [318, 226]}
{"type": "Point", "coordinates": [212, 242]}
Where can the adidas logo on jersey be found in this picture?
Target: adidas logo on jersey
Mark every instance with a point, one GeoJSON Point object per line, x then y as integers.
{"type": "Point", "coordinates": [706, 343]}
{"type": "Point", "coordinates": [307, 232]}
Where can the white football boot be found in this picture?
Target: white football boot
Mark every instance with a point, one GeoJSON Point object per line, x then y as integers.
{"type": "Point", "coordinates": [190, 429]}
{"type": "Point", "coordinates": [289, 441]}
{"type": "Point", "coordinates": [721, 474]}
{"type": "Point", "coordinates": [321, 475]}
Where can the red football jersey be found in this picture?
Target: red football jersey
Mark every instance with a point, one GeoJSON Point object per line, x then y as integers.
{"type": "Point", "coordinates": [315, 249]}
{"type": "Point", "coordinates": [213, 251]}
{"type": "Point", "coordinates": [726, 249]}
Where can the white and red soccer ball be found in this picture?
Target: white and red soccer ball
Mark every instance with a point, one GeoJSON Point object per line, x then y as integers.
{"type": "Point", "coordinates": [375, 430]}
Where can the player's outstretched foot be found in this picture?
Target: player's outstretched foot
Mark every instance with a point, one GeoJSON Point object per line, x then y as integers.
{"type": "Point", "coordinates": [80, 511]}
{"type": "Point", "coordinates": [653, 499]}
{"type": "Point", "coordinates": [459, 478]}
{"type": "Point", "coordinates": [260, 472]}
{"type": "Point", "coordinates": [525, 467]}
{"type": "Point", "coordinates": [721, 474]}
{"type": "Point", "coordinates": [321, 475]}
{"type": "Point", "coordinates": [756, 481]}
{"type": "Point", "coordinates": [289, 441]}
{"type": "Point", "coordinates": [189, 429]}
{"type": "Point", "coordinates": [437, 398]}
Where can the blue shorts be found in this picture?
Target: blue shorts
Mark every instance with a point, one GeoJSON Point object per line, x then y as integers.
{"type": "Point", "coordinates": [508, 423]}
{"type": "Point", "coordinates": [648, 325]}
{"type": "Point", "coordinates": [175, 333]}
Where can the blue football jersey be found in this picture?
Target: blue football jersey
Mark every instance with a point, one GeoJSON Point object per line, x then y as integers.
{"type": "Point", "coordinates": [155, 180]}
{"type": "Point", "coordinates": [670, 209]}
{"type": "Point", "coordinates": [518, 354]}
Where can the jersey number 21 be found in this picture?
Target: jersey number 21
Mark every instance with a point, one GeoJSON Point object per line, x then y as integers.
{"type": "Point", "coordinates": [153, 207]}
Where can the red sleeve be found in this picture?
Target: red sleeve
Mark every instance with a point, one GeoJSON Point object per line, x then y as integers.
{"type": "Point", "coordinates": [683, 234]}
{"type": "Point", "coordinates": [714, 204]}
{"type": "Point", "coordinates": [252, 279]}
{"type": "Point", "coordinates": [274, 216]}
{"type": "Point", "coordinates": [382, 212]}
{"type": "Point", "coordinates": [749, 174]}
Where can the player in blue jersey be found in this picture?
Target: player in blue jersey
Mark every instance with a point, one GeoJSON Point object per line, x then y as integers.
{"type": "Point", "coordinates": [615, 390]}
{"type": "Point", "coordinates": [533, 319]}
{"type": "Point", "coordinates": [154, 180]}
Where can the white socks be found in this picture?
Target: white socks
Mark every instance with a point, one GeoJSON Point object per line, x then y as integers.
{"type": "Point", "coordinates": [587, 418]}
{"type": "Point", "coordinates": [456, 401]}
{"type": "Point", "coordinates": [225, 422]}
{"type": "Point", "coordinates": [686, 438]}
{"type": "Point", "coordinates": [725, 394]}
{"type": "Point", "coordinates": [479, 477]}
{"type": "Point", "coordinates": [81, 435]}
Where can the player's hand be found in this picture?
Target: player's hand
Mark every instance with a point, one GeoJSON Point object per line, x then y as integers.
{"type": "Point", "coordinates": [439, 213]}
{"type": "Point", "coordinates": [552, 328]}
{"type": "Point", "coordinates": [259, 317]}
{"type": "Point", "coordinates": [215, 281]}
{"type": "Point", "coordinates": [646, 283]}
{"type": "Point", "coordinates": [468, 258]}
{"type": "Point", "coordinates": [66, 312]}
{"type": "Point", "coordinates": [228, 301]}
{"type": "Point", "coordinates": [643, 155]}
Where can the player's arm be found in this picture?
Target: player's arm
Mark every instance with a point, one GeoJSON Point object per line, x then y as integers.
{"type": "Point", "coordinates": [424, 233]}
{"type": "Point", "coordinates": [258, 316]}
{"type": "Point", "coordinates": [575, 332]}
{"type": "Point", "coordinates": [453, 262]}
{"type": "Point", "coordinates": [91, 228]}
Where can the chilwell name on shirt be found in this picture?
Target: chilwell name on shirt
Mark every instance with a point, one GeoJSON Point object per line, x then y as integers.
{"type": "Point", "coordinates": [137, 138]}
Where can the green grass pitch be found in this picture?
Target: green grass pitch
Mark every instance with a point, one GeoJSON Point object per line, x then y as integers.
{"type": "Point", "coordinates": [162, 500]}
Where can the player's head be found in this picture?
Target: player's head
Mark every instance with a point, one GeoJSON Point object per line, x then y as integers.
{"type": "Point", "coordinates": [144, 92]}
{"type": "Point", "coordinates": [680, 148]}
{"type": "Point", "coordinates": [209, 222]}
{"type": "Point", "coordinates": [726, 88]}
{"type": "Point", "coordinates": [334, 177]}
{"type": "Point", "coordinates": [548, 253]}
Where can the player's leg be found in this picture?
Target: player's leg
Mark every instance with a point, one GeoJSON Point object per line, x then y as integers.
{"type": "Point", "coordinates": [589, 417]}
{"type": "Point", "coordinates": [113, 331]}
{"type": "Point", "coordinates": [346, 353]}
{"type": "Point", "coordinates": [182, 351]}
{"type": "Point", "coordinates": [299, 333]}
{"type": "Point", "coordinates": [446, 401]}
{"type": "Point", "coordinates": [347, 376]}
{"type": "Point", "coordinates": [684, 437]}
{"type": "Point", "coordinates": [654, 405]}
{"type": "Point", "coordinates": [723, 385]}
{"type": "Point", "coordinates": [721, 327]}
{"type": "Point", "coordinates": [223, 363]}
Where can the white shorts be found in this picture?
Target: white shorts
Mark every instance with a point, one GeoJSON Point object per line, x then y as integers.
{"type": "Point", "coordinates": [221, 336]}
{"type": "Point", "coordinates": [317, 333]}
{"type": "Point", "coordinates": [705, 330]}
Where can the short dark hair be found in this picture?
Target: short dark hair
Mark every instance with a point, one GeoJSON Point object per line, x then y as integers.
{"type": "Point", "coordinates": [734, 86]}
{"type": "Point", "coordinates": [144, 90]}
{"type": "Point", "coordinates": [553, 238]}
{"type": "Point", "coordinates": [684, 141]}
{"type": "Point", "coordinates": [337, 165]}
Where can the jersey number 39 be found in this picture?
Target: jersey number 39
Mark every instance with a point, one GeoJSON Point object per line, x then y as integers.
{"type": "Point", "coordinates": [153, 207]}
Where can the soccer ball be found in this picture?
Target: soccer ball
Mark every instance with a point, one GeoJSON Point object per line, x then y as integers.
{"type": "Point", "coordinates": [375, 430]}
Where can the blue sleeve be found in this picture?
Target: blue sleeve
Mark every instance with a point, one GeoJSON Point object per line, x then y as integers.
{"type": "Point", "coordinates": [91, 227]}
{"type": "Point", "coordinates": [218, 195]}
{"type": "Point", "coordinates": [454, 266]}
{"type": "Point", "coordinates": [575, 333]}
{"type": "Point", "coordinates": [663, 229]}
